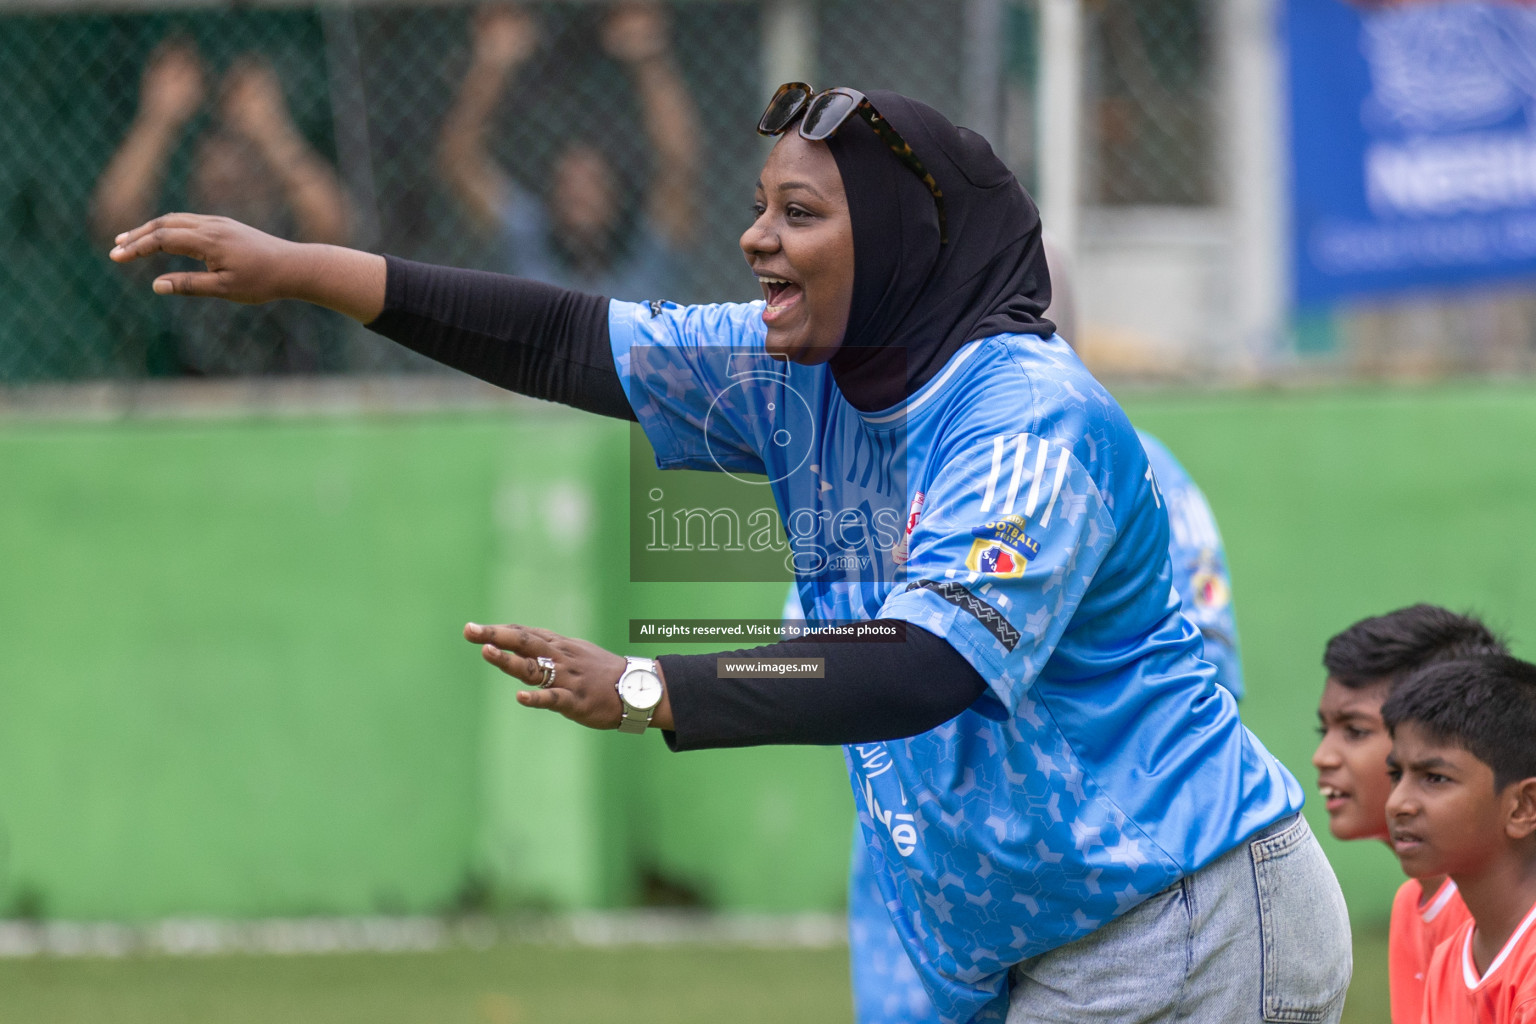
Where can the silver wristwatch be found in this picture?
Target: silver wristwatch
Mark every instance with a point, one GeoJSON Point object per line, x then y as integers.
{"type": "Point", "coordinates": [640, 691]}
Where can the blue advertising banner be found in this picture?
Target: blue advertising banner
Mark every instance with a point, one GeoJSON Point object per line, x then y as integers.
{"type": "Point", "coordinates": [1413, 144]}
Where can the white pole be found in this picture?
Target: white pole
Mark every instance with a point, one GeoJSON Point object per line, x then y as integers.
{"type": "Point", "coordinates": [984, 41]}
{"type": "Point", "coordinates": [1060, 120]}
{"type": "Point", "coordinates": [1255, 126]}
{"type": "Point", "coordinates": [789, 44]}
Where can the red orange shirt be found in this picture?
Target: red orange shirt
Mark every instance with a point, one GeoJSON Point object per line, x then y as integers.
{"type": "Point", "coordinates": [1417, 928]}
{"type": "Point", "coordinates": [1506, 992]}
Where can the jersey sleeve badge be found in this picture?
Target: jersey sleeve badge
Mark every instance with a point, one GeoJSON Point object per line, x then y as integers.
{"type": "Point", "coordinates": [1210, 590]}
{"type": "Point", "coordinates": [1001, 548]}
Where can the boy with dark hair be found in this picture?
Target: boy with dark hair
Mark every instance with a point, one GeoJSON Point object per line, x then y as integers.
{"type": "Point", "coordinates": [1463, 804]}
{"type": "Point", "coordinates": [1364, 662]}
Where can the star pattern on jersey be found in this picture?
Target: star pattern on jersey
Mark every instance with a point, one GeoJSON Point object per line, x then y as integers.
{"type": "Point", "coordinates": [969, 915]}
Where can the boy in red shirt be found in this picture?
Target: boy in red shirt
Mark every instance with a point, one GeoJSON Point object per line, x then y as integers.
{"type": "Point", "coordinates": [1463, 804]}
{"type": "Point", "coordinates": [1363, 663]}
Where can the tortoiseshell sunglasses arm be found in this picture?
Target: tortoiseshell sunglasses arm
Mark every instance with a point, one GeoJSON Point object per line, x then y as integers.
{"type": "Point", "coordinates": [904, 153]}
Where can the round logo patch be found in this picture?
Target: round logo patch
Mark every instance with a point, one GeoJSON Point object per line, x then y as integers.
{"type": "Point", "coordinates": [1211, 591]}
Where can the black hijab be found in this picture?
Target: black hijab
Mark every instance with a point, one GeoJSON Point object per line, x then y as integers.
{"type": "Point", "coordinates": [916, 302]}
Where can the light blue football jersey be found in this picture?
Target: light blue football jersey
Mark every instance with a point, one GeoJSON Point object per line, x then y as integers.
{"type": "Point", "coordinates": [886, 987]}
{"type": "Point", "coordinates": [1104, 763]}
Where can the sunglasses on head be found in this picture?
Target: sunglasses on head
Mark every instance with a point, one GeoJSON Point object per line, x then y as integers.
{"type": "Point", "coordinates": [821, 114]}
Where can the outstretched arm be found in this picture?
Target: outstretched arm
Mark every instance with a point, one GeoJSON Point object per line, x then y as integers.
{"type": "Point", "coordinates": [521, 335]}
{"type": "Point", "coordinates": [504, 38]}
{"type": "Point", "coordinates": [636, 34]}
{"type": "Point", "coordinates": [872, 690]}
{"type": "Point", "coordinates": [252, 104]}
{"type": "Point", "coordinates": [170, 93]}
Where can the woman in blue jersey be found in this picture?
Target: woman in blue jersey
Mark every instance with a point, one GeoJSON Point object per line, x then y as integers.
{"type": "Point", "coordinates": [1063, 814]}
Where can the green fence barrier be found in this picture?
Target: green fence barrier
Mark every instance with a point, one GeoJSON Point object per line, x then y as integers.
{"type": "Point", "coordinates": [232, 683]}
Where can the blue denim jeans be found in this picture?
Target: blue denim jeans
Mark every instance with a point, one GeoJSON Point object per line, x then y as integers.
{"type": "Point", "coordinates": [1259, 934]}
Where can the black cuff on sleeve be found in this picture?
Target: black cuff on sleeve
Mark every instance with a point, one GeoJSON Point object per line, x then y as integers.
{"type": "Point", "coordinates": [518, 334]}
{"type": "Point", "coordinates": [872, 691]}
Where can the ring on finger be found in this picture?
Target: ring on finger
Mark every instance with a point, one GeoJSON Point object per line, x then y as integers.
{"type": "Point", "coordinates": [548, 666]}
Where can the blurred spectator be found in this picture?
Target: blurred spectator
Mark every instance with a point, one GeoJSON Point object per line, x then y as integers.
{"type": "Point", "coordinates": [577, 236]}
{"type": "Point", "coordinates": [252, 164]}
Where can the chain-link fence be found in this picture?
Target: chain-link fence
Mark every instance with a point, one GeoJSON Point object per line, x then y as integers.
{"type": "Point", "coordinates": [1152, 128]}
{"type": "Point", "coordinates": [602, 147]}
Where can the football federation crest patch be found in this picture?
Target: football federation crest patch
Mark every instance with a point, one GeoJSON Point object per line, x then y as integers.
{"type": "Point", "coordinates": [1001, 548]}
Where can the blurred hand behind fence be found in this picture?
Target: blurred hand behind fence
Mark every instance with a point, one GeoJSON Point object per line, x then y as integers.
{"type": "Point", "coordinates": [251, 103]}
{"type": "Point", "coordinates": [172, 88]}
{"type": "Point", "coordinates": [171, 91]}
{"type": "Point", "coordinates": [635, 33]}
{"type": "Point", "coordinates": [501, 40]}
{"type": "Point", "coordinates": [639, 35]}
{"type": "Point", "coordinates": [504, 37]}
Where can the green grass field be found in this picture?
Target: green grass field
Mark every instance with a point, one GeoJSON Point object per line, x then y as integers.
{"type": "Point", "coordinates": [507, 984]}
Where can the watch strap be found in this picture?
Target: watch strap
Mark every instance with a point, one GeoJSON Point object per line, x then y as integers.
{"type": "Point", "coordinates": [633, 722]}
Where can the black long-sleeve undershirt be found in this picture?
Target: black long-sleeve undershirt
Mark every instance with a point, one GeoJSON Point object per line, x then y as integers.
{"type": "Point", "coordinates": [872, 691]}
{"type": "Point", "coordinates": [550, 343]}
{"type": "Point", "coordinates": [525, 336]}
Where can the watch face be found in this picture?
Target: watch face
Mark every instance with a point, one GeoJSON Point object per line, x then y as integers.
{"type": "Point", "coordinates": [640, 688]}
